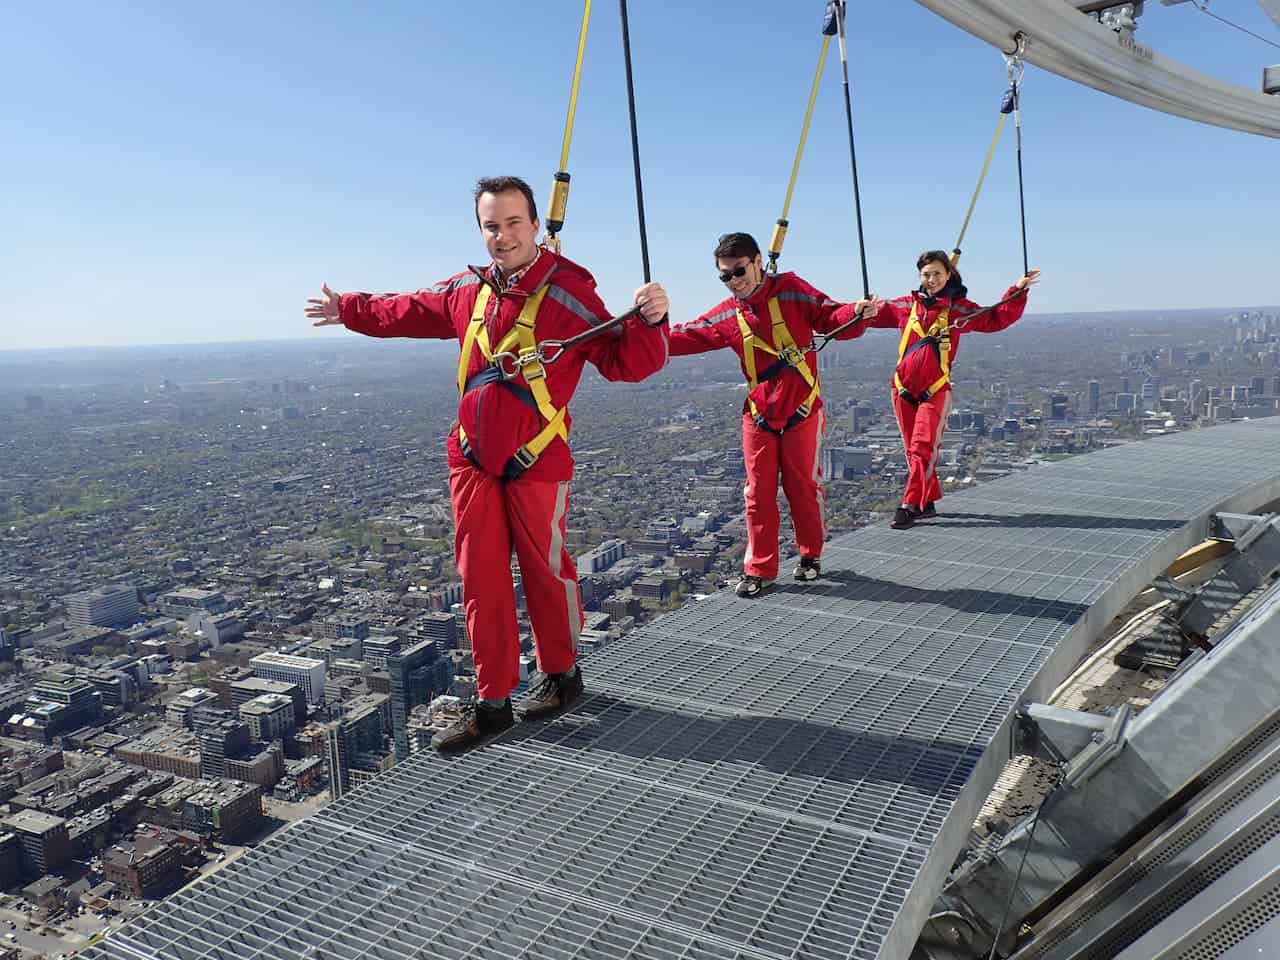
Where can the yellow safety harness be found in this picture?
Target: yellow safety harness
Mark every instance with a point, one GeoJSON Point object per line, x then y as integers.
{"type": "Point", "coordinates": [522, 338]}
{"type": "Point", "coordinates": [789, 355]}
{"type": "Point", "coordinates": [938, 334]}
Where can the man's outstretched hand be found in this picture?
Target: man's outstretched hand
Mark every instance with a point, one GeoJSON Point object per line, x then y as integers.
{"type": "Point", "coordinates": [652, 301]}
{"type": "Point", "coordinates": [324, 310]}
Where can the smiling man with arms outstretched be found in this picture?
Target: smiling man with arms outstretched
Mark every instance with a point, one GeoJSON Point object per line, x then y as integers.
{"type": "Point", "coordinates": [509, 458]}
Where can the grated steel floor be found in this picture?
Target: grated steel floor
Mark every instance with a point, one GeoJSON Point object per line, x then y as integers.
{"type": "Point", "coordinates": [755, 779]}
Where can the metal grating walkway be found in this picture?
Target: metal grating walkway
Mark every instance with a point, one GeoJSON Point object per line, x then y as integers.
{"type": "Point", "coordinates": [786, 777]}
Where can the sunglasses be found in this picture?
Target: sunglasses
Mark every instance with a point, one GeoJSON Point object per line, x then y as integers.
{"type": "Point", "coordinates": [733, 274]}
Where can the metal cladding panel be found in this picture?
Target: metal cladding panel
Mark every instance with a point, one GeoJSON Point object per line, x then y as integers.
{"type": "Point", "coordinates": [755, 779]}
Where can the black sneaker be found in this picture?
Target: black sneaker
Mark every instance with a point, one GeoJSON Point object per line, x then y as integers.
{"type": "Point", "coordinates": [477, 722]}
{"type": "Point", "coordinates": [751, 586]}
{"type": "Point", "coordinates": [928, 513]}
{"type": "Point", "coordinates": [552, 693]}
{"type": "Point", "coordinates": [902, 518]}
{"type": "Point", "coordinates": [808, 569]}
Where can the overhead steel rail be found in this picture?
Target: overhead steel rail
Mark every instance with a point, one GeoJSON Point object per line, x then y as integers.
{"type": "Point", "coordinates": [1066, 42]}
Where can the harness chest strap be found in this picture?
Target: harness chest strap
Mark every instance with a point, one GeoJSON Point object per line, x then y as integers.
{"type": "Point", "coordinates": [940, 332]}
{"type": "Point", "coordinates": [521, 338]}
{"type": "Point", "coordinates": [785, 349]}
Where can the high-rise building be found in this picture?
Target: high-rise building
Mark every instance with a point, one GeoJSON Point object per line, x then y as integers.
{"type": "Point", "coordinates": [183, 706]}
{"type": "Point", "coordinates": [76, 703]}
{"type": "Point", "coordinates": [46, 845]}
{"type": "Point", "coordinates": [187, 600]}
{"type": "Point", "coordinates": [845, 463]}
{"type": "Point", "coordinates": [118, 689]}
{"type": "Point", "coordinates": [602, 557]}
{"type": "Point", "coordinates": [441, 628]}
{"type": "Point", "coordinates": [1257, 386]}
{"type": "Point", "coordinates": [304, 671]}
{"type": "Point", "coordinates": [1058, 406]}
{"type": "Point", "coordinates": [242, 691]}
{"type": "Point", "coordinates": [459, 612]}
{"type": "Point", "coordinates": [269, 717]}
{"type": "Point", "coordinates": [378, 647]}
{"type": "Point", "coordinates": [1095, 397]}
{"type": "Point", "coordinates": [221, 737]}
{"type": "Point", "coordinates": [418, 675]}
{"type": "Point", "coordinates": [345, 625]}
{"type": "Point", "coordinates": [110, 606]}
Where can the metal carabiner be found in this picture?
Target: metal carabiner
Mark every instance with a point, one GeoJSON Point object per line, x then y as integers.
{"type": "Point", "coordinates": [549, 350]}
{"type": "Point", "coordinates": [1013, 59]}
{"type": "Point", "coordinates": [508, 364]}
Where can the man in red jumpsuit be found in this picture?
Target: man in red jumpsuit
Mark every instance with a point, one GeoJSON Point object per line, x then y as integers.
{"type": "Point", "coordinates": [932, 319]}
{"type": "Point", "coordinates": [509, 459]}
{"type": "Point", "coordinates": [769, 321]}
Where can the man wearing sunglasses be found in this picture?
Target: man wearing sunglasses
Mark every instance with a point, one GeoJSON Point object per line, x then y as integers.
{"type": "Point", "coordinates": [769, 321]}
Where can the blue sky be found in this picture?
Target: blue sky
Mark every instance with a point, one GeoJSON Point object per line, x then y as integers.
{"type": "Point", "coordinates": [192, 172]}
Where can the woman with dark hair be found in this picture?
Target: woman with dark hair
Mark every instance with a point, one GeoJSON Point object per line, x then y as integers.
{"type": "Point", "coordinates": [932, 319]}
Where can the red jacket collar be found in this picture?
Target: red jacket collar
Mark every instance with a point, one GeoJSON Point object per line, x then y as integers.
{"type": "Point", "coordinates": [529, 280]}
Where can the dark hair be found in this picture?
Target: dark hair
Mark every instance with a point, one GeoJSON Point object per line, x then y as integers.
{"type": "Point", "coordinates": [736, 245]}
{"type": "Point", "coordinates": [504, 185]}
{"type": "Point", "coordinates": [944, 258]}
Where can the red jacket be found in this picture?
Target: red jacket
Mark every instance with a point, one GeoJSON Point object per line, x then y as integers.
{"type": "Point", "coordinates": [496, 420]}
{"type": "Point", "coordinates": [921, 368]}
{"type": "Point", "coordinates": [806, 310]}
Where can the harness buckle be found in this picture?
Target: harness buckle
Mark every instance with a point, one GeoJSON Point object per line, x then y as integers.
{"type": "Point", "coordinates": [792, 355]}
{"type": "Point", "coordinates": [531, 365]}
{"type": "Point", "coordinates": [523, 457]}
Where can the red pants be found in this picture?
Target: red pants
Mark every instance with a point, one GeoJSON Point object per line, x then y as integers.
{"type": "Point", "coordinates": [797, 454]}
{"type": "Point", "coordinates": [491, 517]}
{"type": "Point", "coordinates": [922, 428]}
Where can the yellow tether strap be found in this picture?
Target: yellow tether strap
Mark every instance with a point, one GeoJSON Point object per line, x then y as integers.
{"type": "Point", "coordinates": [577, 80]}
{"type": "Point", "coordinates": [560, 183]}
{"type": "Point", "coordinates": [986, 165]}
{"type": "Point", "coordinates": [780, 228]}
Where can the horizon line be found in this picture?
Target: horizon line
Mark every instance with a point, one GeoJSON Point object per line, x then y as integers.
{"type": "Point", "coordinates": [365, 340]}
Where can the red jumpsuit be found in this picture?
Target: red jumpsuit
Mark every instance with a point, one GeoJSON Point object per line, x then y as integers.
{"type": "Point", "coordinates": [494, 514]}
{"type": "Point", "coordinates": [776, 438]}
{"type": "Point", "coordinates": [922, 416]}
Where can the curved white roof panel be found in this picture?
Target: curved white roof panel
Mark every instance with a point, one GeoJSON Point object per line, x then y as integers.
{"type": "Point", "coordinates": [1066, 42]}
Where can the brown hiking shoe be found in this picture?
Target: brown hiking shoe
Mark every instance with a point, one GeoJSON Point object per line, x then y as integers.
{"type": "Point", "coordinates": [477, 722]}
{"type": "Point", "coordinates": [552, 693]}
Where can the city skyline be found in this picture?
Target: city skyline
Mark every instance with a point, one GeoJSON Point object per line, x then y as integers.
{"type": "Point", "coordinates": [207, 207]}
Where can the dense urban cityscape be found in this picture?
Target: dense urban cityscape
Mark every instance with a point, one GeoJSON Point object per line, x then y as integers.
{"type": "Point", "coordinates": [227, 589]}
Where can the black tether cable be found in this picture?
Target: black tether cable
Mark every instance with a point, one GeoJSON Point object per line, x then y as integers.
{"type": "Point", "coordinates": [635, 142]}
{"type": "Point", "coordinates": [853, 151]}
{"type": "Point", "coordinates": [1022, 202]}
